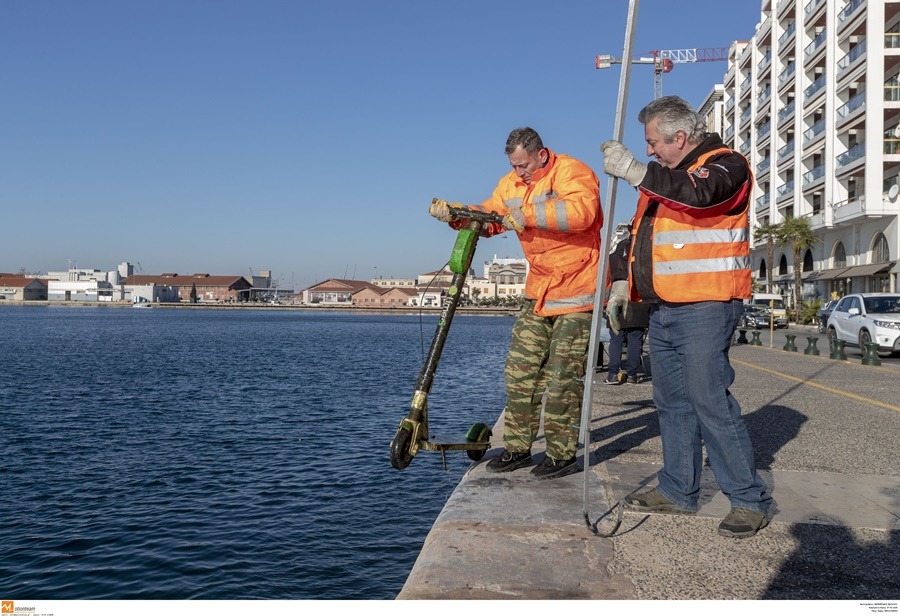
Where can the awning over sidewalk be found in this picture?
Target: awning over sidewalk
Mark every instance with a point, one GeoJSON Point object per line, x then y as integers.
{"type": "Point", "coordinates": [829, 274]}
{"type": "Point", "coordinates": [867, 270]}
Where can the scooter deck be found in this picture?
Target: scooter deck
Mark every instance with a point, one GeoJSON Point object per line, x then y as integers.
{"type": "Point", "coordinates": [438, 442]}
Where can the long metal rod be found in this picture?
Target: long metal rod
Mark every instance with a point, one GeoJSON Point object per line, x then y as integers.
{"type": "Point", "coordinates": [608, 218]}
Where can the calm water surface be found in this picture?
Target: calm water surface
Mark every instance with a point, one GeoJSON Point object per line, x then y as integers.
{"type": "Point", "coordinates": [182, 454]}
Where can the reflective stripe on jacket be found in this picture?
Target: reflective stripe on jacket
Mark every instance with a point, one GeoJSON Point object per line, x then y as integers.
{"type": "Point", "coordinates": [561, 239]}
{"type": "Point", "coordinates": [699, 254]}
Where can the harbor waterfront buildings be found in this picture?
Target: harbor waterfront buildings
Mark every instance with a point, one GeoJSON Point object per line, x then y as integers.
{"type": "Point", "coordinates": [812, 100]}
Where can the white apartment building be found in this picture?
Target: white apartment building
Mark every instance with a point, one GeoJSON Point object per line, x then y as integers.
{"type": "Point", "coordinates": [813, 101]}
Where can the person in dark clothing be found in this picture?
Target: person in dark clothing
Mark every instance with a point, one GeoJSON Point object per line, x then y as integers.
{"type": "Point", "coordinates": [632, 325]}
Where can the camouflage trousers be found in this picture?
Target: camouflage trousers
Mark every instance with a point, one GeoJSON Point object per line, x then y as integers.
{"type": "Point", "coordinates": [546, 354]}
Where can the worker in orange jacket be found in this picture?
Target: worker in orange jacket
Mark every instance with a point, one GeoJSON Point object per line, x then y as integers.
{"type": "Point", "coordinates": [552, 202]}
{"type": "Point", "coordinates": [690, 261]}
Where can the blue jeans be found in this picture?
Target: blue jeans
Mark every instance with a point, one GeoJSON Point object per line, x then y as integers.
{"type": "Point", "coordinates": [633, 337]}
{"type": "Point", "coordinates": [689, 346]}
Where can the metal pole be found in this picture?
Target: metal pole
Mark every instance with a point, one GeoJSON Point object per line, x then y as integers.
{"type": "Point", "coordinates": [597, 320]}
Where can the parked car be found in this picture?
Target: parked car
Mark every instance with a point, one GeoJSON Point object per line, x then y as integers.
{"type": "Point", "coordinates": [867, 317]}
{"type": "Point", "coordinates": [824, 313]}
{"type": "Point", "coordinates": [755, 316]}
{"type": "Point", "coordinates": [773, 302]}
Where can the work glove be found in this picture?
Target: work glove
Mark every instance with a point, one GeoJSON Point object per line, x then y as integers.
{"type": "Point", "coordinates": [618, 306]}
{"type": "Point", "coordinates": [440, 209]}
{"type": "Point", "coordinates": [618, 161]}
{"type": "Point", "coordinates": [514, 220]}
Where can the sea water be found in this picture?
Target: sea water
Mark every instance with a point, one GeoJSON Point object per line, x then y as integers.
{"type": "Point", "coordinates": [225, 454]}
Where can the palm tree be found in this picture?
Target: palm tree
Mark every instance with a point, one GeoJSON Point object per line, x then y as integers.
{"type": "Point", "coordinates": [800, 236]}
{"type": "Point", "coordinates": [769, 231]}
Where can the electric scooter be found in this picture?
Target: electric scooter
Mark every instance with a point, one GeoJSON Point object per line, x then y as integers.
{"type": "Point", "coordinates": [413, 434]}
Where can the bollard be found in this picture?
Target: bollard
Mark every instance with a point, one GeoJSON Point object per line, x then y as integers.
{"type": "Point", "coordinates": [756, 341]}
{"type": "Point", "coordinates": [742, 336]}
{"type": "Point", "coordinates": [811, 348]}
{"type": "Point", "coordinates": [789, 345]}
{"type": "Point", "coordinates": [871, 356]}
{"type": "Point", "coordinates": [837, 349]}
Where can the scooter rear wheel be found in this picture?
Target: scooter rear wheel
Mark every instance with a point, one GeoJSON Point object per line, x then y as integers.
{"type": "Point", "coordinates": [400, 456]}
{"type": "Point", "coordinates": [475, 454]}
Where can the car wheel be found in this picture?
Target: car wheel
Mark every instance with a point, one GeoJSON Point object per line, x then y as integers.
{"type": "Point", "coordinates": [864, 338]}
{"type": "Point", "coordinates": [832, 335]}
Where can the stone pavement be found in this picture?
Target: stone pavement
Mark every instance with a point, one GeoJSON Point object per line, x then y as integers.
{"type": "Point", "coordinates": [826, 435]}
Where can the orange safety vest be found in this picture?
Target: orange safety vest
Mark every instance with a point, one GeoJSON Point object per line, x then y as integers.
{"type": "Point", "coordinates": [698, 259]}
{"type": "Point", "coordinates": [561, 239]}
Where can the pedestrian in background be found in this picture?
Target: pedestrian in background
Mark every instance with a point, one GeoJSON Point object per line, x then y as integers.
{"type": "Point", "coordinates": [632, 325]}
{"type": "Point", "coordinates": [552, 202]}
{"type": "Point", "coordinates": [690, 259]}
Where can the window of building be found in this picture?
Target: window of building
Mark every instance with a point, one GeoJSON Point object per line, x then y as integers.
{"type": "Point", "coordinates": [839, 258]}
{"type": "Point", "coordinates": [880, 251]}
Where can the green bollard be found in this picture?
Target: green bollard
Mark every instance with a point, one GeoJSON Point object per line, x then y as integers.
{"type": "Point", "coordinates": [837, 349]}
{"type": "Point", "coordinates": [871, 356]}
{"type": "Point", "coordinates": [789, 345]}
{"type": "Point", "coordinates": [756, 341]}
{"type": "Point", "coordinates": [742, 336]}
{"type": "Point", "coordinates": [811, 348]}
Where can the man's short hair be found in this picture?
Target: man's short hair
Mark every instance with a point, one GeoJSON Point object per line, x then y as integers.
{"type": "Point", "coordinates": [673, 114]}
{"type": "Point", "coordinates": [526, 137]}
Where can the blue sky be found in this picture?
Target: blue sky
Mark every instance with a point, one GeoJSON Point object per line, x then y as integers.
{"type": "Point", "coordinates": [307, 138]}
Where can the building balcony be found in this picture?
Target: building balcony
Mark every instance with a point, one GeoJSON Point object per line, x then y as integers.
{"type": "Point", "coordinates": [813, 133]}
{"type": "Point", "coordinates": [849, 11]}
{"type": "Point", "coordinates": [892, 40]}
{"type": "Point", "coordinates": [784, 191]}
{"type": "Point", "coordinates": [764, 63]}
{"type": "Point", "coordinates": [785, 152]}
{"type": "Point", "coordinates": [817, 87]}
{"type": "Point", "coordinates": [849, 211]}
{"type": "Point", "coordinates": [813, 178]}
{"type": "Point", "coordinates": [891, 146]}
{"type": "Point", "coordinates": [764, 96]}
{"type": "Point", "coordinates": [853, 108]}
{"type": "Point", "coordinates": [787, 37]}
{"type": "Point", "coordinates": [817, 220]}
{"type": "Point", "coordinates": [763, 167]}
{"type": "Point", "coordinates": [782, 6]}
{"type": "Point", "coordinates": [815, 45]}
{"type": "Point", "coordinates": [745, 116]}
{"type": "Point", "coordinates": [763, 133]}
{"type": "Point", "coordinates": [729, 105]}
{"type": "Point", "coordinates": [811, 7]}
{"type": "Point", "coordinates": [762, 203]}
{"type": "Point", "coordinates": [786, 76]}
{"type": "Point", "coordinates": [745, 148]}
{"type": "Point", "coordinates": [746, 85]}
{"type": "Point", "coordinates": [786, 112]}
{"type": "Point", "coordinates": [853, 58]}
{"type": "Point", "coordinates": [850, 159]}
{"type": "Point", "coordinates": [729, 133]}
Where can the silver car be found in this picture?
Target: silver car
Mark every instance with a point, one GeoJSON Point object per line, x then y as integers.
{"type": "Point", "coordinates": [860, 318]}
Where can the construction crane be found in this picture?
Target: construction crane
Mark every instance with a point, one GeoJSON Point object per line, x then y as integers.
{"type": "Point", "coordinates": [664, 61]}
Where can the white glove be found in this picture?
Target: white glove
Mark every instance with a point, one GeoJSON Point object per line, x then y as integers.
{"type": "Point", "coordinates": [514, 220]}
{"type": "Point", "coordinates": [440, 209]}
{"type": "Point", "coordinates": [618, 161]}
{"type": "Point", "coordinates": [618, 306]}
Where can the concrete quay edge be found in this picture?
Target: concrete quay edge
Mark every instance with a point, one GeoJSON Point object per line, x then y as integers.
{"type": "Point", "coordinates": [821, 429]}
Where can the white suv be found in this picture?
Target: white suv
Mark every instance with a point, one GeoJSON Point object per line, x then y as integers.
{"type": "Point", "coordinates": [867, 317]}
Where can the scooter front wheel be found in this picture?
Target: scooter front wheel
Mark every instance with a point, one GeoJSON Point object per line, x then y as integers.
{"type": "Point", "coordinates": [400, 455]}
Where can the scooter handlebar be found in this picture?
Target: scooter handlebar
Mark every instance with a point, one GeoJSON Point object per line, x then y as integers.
{"type": "Point", "coordinates": [483, 217]}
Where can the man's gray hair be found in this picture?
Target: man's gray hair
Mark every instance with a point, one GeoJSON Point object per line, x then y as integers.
{"type": "Point", "coordinates": [525, 137]}
{"type": "Point", "coordinates": [673, 114]}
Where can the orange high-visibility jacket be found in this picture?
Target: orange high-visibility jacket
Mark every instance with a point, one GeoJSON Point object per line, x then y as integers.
{"type": "Point", "coordinates": [561, 239]}
{"type": "Point", "coordinates": [699, 254]}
